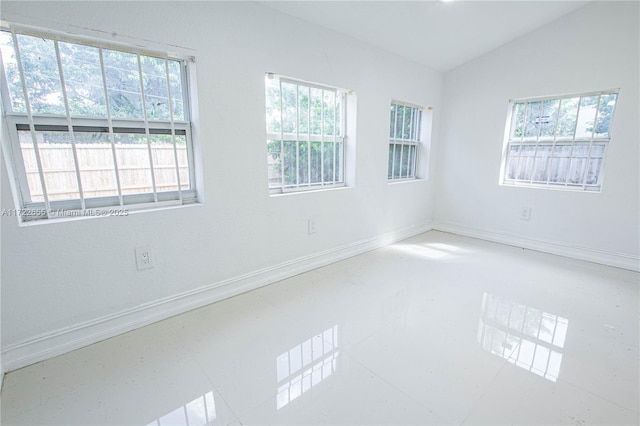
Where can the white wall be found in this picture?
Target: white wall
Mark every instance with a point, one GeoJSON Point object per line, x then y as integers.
{"type": "Point", "coordinates": [594, 48]}
{"type": "Point", "coordinates": [67, 284]}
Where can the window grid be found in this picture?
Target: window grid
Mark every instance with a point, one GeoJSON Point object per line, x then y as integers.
{"type": "Point", "coordinates": [559, 142]}
{"type": "Point", "coordinates": [60, 127]}
{"type": "Point", "coordinates": [404, 140]}
{"type": "Point", "coordinates": [527, 337]}
{"type": "Point", "coordinates": [317, 157]}
{"type": "Point", "coordinates": [306, 365]}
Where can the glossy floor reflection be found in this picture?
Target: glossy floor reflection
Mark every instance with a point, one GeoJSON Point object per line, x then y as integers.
{"type": "Point", "coordinates": [437, 329]}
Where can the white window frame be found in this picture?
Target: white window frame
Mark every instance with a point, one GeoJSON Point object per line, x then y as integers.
{"type": "Point", "coordinates": [397, 143]}
{"type": "Point", "coordinates": [512, 141]}
{"type": "Point", "coordinates": [32, 122]}
{"type": "Point", "coordinates": [337, 139]}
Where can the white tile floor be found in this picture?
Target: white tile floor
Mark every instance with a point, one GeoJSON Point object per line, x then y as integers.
{"type": "Point", "coordinates": [437, 329]}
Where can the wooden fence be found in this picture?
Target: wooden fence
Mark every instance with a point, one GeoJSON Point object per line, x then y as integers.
{"type": "Point", "coordinates": [97, 171]}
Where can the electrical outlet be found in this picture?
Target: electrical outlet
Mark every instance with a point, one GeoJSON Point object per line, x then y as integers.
{"type": "Point", "coordinates": [144, 258]}
{"type": "Point", "coordinates": [311, 226]}
{"type": "Point", "coordinates": [525, 213]}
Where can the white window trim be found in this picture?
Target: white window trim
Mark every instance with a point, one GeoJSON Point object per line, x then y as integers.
{"type": "Point", "coordinates": [553, 142]}
{"type": "Point", "coordinates": [104, 205]}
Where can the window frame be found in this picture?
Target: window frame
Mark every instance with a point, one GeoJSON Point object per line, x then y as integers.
{"type": "Point", "coordinates": [339, 166]}
{"type": "Point", "coordinates": [556, 141]}
{"type": "Point", "coordinates": [413, 141]}
{"type": "Point", "coordinates": [101, 205]}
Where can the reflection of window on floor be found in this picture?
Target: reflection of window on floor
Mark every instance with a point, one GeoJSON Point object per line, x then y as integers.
{"type": "Point", "coordinates": [306, 365]}
{"type": "Point", "coordinates": [525, 336]}
{"type": "Point", "coordinates": [198, 412]}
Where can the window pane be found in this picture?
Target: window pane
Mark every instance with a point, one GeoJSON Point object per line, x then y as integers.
{"type": "Point", "coordinates": [549, 118]}
{"type": "Point", "coordinates": [329, 111]}
{"type": "Point", "coordinates": [164, 163]}
{"type": "Point", "coordinates": [272, 105]}
{"type": "Point", "coordinates": [316, 163]}
{"type": "Point", "coordinates": [12, 72]}
{"type": "Point", "coordinates": [30, 166]}
{"type": "Point", "coordinates": [156, 92]}
{"type": "Point", "coordinates": [400, 111]}
{"type": "Point", "coordinates": [177, 96]}
{"type": "Point", "coordinates": [405, 161]}
{"type": "Point", "coordinates": [316, 111]}
{"type": "Point", "coordinates": [407, 122]}
{"type": "Point", "coordinates": [517, 126]}
{"type": "Point", "coordinates": [183, 162]}
{"type": "Point", "coordinates": [603, 123]}
{"type": "Point", "coordinates": [339, 106]}
{"type": "Point", "coordinates": [329, 156]}
{"type": "Point", "coordinates": [578, 164]}
{"type": "Point", "coordinates": [134, 166]}
{"type": "Point", "coordinates": [397, 163]}
{"type": "Point", "coordinates": [41, 75]}
{"type": "Point", "coordinates": [595, 164]}
{"type": "Point", "coordinates": [290, 164]}
{"type": "Point", "coordinates": [58, 168]}
{"type": "Point", "coordinates": [339, 162]}
{"type": "Point", "coordinates": [289, 103]}
{"type": "Point", "coordinates": [532, 124]}
{"type": "Point", "coordinates": [512, 161]}
{"type": "Point", "coordinates": [83, 79]}
{"type": "Point", "coordinates": [525, 168]}
{"type": "Point", "coordinates": [586, 117]}
{"type": "Point", "coordinates": [412, 162]}
{"type": "Point", "coordinates": [303, 168]}
{"type": "Point", "coordinates": [392, 121]}
{"type": "Point", "coordinates": [303, 115]}
{"type": "Point", "coordinates": [567, 118]}
{"type": "Point", "coordinates": [541, 163]}
{"type": "Point", "coordinates": [123, 82]}
{"type": "Point", "coordinates": [95, 160]}
{"type": "Point", "coordinates": [559, 163]}
{"type": "Point", "coordinates": [274, 162]}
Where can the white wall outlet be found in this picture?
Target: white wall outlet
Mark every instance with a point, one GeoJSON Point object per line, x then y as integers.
{"type": "Point", "coordinates": [311, 226]}
{"type": "Point", "coordinates": [144, 258]}
{"type": "Point", "coordinates": [525, 213]}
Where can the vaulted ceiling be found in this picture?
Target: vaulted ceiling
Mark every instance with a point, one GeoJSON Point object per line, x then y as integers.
{"type": "Point", "coordinates": [438, 34]}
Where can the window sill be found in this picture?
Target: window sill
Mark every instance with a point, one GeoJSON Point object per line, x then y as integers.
{"type": "Point", "coordinates": [402, 181]}
{"type": "Point", "coordinates": [308, 191]}
{"type": "Point", "coordinates": [565, 188]}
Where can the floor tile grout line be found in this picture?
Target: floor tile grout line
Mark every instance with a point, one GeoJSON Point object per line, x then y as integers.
{"type": "Point", "coordinates": [409, 397]}
{"type": "Point", "coordinates": [574, 385]}
{"type": "Point", "coordinates": [487, 388]}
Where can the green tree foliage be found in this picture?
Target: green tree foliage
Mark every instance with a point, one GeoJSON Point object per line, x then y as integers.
{"type": "Point", "coordinates": [308, 118]}
{"type": "Point", "coordinates": [563, 117]}
{"type": "Point", "coordinates": [84, 86]}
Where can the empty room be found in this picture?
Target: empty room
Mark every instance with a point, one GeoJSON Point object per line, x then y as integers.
{"type": "Point", "coordinates": [319, 212]}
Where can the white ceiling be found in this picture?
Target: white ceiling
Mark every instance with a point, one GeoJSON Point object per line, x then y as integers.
{"type": "Point", "coordinates": [441, 35]}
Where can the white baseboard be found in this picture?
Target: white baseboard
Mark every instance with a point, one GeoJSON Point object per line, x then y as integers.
{"type": "Point", "coordinates": [604, 257]}
{"type": "Point", "coordinates": [51, 344]}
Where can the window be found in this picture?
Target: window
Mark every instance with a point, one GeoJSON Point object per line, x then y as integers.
{"type": "Point", "coordinates": [94, 127]}
{"type": "Point", "coordinates": [305, 135]}
{"type": "Point", "coordinates": [404, 140]}
{"type": "Point", "coordinates": [558, 142]}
